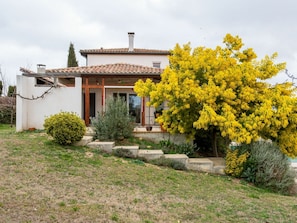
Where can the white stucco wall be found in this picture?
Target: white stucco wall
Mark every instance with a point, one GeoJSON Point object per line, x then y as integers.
{"type": "Point", "coordinates": [144, 60]}
{"type": "Point", "coordinates": [31, 113]}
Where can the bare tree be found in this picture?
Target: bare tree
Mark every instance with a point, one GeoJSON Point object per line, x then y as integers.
{"type": "Point", "coordinates": [292, 77]}
{"type": "Point", "coordinates": [4, 83]}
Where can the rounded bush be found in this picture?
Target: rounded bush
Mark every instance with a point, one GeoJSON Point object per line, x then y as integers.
{"type": "Point", "coordinates": [269, 168]}
{"type": "Point", "coordinates": [115, 123]}
{"type": "Point", "coordinates": [65, 127]}
{"type": "Point", "coordinates": [263, 164]}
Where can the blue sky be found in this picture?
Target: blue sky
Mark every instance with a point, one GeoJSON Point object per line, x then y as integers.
{"type": "Point", "coordinates": [40, 31]}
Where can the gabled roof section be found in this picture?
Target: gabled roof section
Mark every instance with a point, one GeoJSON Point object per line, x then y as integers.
{"type": "Point", "coordinates": [107, 69]}
{"type": "Point", "coordinates": [136, 51]}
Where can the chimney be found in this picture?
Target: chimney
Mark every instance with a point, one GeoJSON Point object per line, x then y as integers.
{"type": "Point", "coordinates": [41, 68]}
{"type": "Point", "coordinates": [131, 41]}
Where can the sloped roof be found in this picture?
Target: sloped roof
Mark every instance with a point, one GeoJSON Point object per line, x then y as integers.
{"type": "Point", "coordinates": [137, 51]}
{"type": "Point", "coordinates": [26, 71]}
{"type": "Point", "coordinates": [107, 69]}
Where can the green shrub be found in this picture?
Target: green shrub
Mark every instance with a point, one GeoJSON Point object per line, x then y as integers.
{"type": "Point", "coordinates": [65, 127]}
{"type": "Point", "coordinates": [169, 147]}
{"type": "Point", "coordinates": [162, 161]}
{"type": "Point", "coordinates": [7, 110]}
{"type": "Point", "coordinates": [124, 153]}
{"type": "Point", "coordinates": [115, 123]}
{"type": "Point", "coordinates": [268, 167]}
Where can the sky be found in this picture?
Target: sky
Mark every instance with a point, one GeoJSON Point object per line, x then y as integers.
{"type": "Point", "coordinates": [40, 31]}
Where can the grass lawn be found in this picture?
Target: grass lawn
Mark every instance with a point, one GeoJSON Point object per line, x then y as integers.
{"type": "Point", "coordinates": [44, 182]}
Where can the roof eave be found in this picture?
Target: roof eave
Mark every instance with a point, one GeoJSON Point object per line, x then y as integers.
{"type": "Point", "coordinates": [66, 75]}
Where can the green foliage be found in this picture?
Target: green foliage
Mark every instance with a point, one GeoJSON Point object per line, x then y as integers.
{"type": "Point", "coordinates": [162, 161]}
{"type": "Point", "coordinates": [268, 167]}
{"type": "Point", "coordinates": [7, 109]}
{"type": "Point", "coordinates": [1, 88]}
{"type": "Point", "coordinates": [235, 161]}
{"type": "Point", "coordinates": [115, 123]}
{"type": "Point", "coordinates": [71, 62]}
{"type": "Point", "coordinates": [5, 114]}
{"type": "Point", "coordinates": [11, 91]}
{"type": "Point", "coordinates": [124, 153]}
{"type": "Point", "coordinates": [169, 147]}
{"type": "Point", "coordinates": [65, 127]}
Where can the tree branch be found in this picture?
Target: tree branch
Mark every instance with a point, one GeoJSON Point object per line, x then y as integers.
{"type": "Point", "coordinates": [38, 97]}
{"type": "Point", "coordinates": [291, 76]}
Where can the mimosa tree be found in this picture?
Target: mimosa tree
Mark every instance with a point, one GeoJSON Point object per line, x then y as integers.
{"type": "Point", "coordinates": [225, 90]}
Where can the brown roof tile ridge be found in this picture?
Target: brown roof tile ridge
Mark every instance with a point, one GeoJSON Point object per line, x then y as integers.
{"type": "Point", "coordinates": [25, 70]}
{"type": "Point", "coordinates": [123, 50]}
{"type": "Point", "coordinates": [108, 68]}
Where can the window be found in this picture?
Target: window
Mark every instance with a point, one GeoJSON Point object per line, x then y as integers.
{"type": "Point", "coordinates": [157, 64]}
{"type": "Point", "coordinates": [133, 104]}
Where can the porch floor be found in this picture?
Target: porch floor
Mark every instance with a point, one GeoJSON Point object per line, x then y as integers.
{"type": "Point", "coordinates": [155, 128]}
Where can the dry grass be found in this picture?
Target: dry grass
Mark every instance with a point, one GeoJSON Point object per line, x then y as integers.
{"type": "Point", "coordinates": [44, 182]}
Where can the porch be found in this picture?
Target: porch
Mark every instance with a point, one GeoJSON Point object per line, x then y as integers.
{"type": "Point", "coordinates": [96, 91]}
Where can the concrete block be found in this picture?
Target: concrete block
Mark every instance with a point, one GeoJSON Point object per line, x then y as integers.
{"type": "Point", "coordinates": [218, 161]}
{"type": "Point", "coordinates": [182, 158]}
{"type": "Point", "coordinates": [84, 141]}
{"type": "Point", "coordinates": [103, 146]}
{"type": "Point", "coordinates": [200, 164]}
{"type": "Point", "coordinates": [132, 149]}
{"type": "Point", "coordinates": [219, 170]}
{"type": "Point", "coordinates": [150, 154]}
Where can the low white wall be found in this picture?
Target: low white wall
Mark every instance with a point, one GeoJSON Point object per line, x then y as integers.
{"type": "Point", "coordinates": [159, 136]}
{"type": "Point", "coordinates": [31, 113]}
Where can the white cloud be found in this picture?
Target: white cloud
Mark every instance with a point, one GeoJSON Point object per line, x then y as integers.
{"type": "Point", "coordinates": [40, 31]}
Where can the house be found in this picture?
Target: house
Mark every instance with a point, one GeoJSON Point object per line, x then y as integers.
{"type": "Point", "coordinates": [84, 90]}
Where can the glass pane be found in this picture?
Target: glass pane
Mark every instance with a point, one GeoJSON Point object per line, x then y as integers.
{"type": "Point", "coordinates": [135, 107]}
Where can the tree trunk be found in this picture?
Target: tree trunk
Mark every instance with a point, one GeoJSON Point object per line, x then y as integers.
{"type": "Point", "coordinates": [214, 143]}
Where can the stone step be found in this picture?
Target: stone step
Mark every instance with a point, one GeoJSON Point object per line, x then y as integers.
{"type": "Point", "coordinates": [200, 164]}
{"type": "Point", "coordinates": [182, 158]}
{"type": "Point", "coordinates": [132, 149]}
{"type": "Point", "coordinates": [84, 141]}
{"type": "Point", "coordinates": [103, 146]}
{"type": "Point", "coordinates": [150, 154]}
{"type": "Point", "coordinates": [219, 170]}
{"type": "Point", "coordinates": [217, 161]}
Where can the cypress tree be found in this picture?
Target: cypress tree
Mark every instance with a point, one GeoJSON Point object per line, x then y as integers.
{"type": "Point", "coordinates": [10, 92]}
{"type": "Point", "coordinates": [71, 62]}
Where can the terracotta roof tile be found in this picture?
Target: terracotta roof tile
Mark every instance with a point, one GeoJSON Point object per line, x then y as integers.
{"type": "Point", "coordinates": [123, 51]}
{"type": "Point", "coordinates": [108, 69]}
{"type": "Point", "coordinates": [27, 71]}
